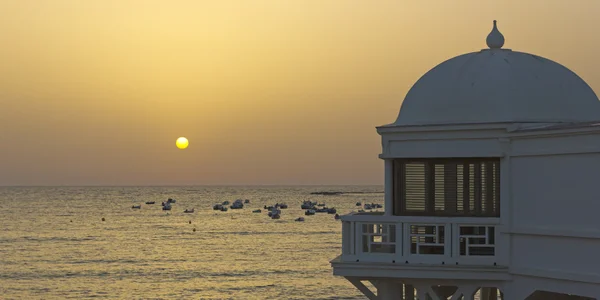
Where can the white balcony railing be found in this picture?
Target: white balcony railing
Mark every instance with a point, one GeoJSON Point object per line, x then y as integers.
{"type": "Point", "coordinates": [423, 240]}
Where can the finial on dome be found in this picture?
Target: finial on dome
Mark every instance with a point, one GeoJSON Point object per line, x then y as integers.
{"type": "Point", "coordinates": [495, 40]}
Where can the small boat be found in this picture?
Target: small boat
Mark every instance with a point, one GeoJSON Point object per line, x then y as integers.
{"type": "Point", "coordinates": [217, 207]}
{"type": "Point", "coordinates": [238, 204]}
{"type": "Point", "coordinates": [275, 216]}
{"type": "Point", "coordinates": [270, 207]}
{"type": "Point", "coordinates": [246, 201]}
{"type": "Point", "coordinates": [167, 206]}
{"type": "Point", "coordinates": [188, 211]}
{"type": "Point", "coordinates": [310, 212]}
{"type": "Point", "coordinates": [171, 200]}
{"type": "Point", "coordinates": [223, 208]}
{"type": "Point", "coordinates": [150, 202]}
{"type": "Point", "coordinates": [273, 212]}
{"type": "Point", "coordinates": [321, 204]}
{"type": "Point", "coordinates": [377, 205]}
{"type": "Point", "coordinates": [322, 210]}
{"type": "Point", "coordinates": [282, 205]}
{"type": "Point", "coordinates": [300, 219]}
{"type": "Point", "coordinates": [331, 211]}
{"type": "Point", "coordinates": [307, 205]}
{"type": "Point", "coordinates": [358, 204]}
{"type": "Point", "coordinates": [257, 211]}
{"type": "Point", "coordinates": [136, 207]}
{"type": "Point", "coordinates": [225, 202]}
{"type": "Point", "coordinates": [368, 206]}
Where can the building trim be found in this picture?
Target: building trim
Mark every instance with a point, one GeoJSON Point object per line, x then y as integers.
{"type": "Point", "coordinates": [556, 274]}
{"type": "Point", "coordinates": [418, 271]}
{"type": "Point", "coordinates": [549, 152]}
{"type": "Point", "coordinates": [556, 232]}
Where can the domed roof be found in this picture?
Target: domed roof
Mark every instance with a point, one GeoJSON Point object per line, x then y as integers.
{"type": "Point", "coordinates": [498, 85]}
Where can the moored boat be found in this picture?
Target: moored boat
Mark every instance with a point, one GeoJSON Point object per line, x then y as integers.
{"type": "Point", "coordinates": [307, 204]}
{"type": "Point", "coordinates": [237, 204]}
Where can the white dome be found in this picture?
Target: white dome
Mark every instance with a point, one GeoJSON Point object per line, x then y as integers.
{"type": "Point", "coordinates": [498, 85]}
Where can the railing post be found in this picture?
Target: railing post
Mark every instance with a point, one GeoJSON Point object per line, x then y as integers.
{"type": "Point", "coordinates": [399, 241]}
{"type": "Point", "coordinates": [406, 240]}
{"type": "Point", "coordinates": [448, 240]}
{"type": "Point", "coordinates": [455, 242]}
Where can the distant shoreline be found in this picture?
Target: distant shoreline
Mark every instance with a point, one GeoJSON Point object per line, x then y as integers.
{"type": "Point", "coordinates": [342, 193]}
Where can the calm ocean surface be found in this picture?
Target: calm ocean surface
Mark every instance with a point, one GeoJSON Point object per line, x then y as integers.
{"type": "Point", "coordinates": [54, 244]}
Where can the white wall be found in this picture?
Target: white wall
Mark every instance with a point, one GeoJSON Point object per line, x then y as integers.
{"type": "Point", "coordinates": [559, 192]}
{"type": "Point", "coordinates": [555, 207]}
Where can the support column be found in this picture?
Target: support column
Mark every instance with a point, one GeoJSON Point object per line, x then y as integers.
{"type": "Point", "coordinates": [389, 290]}
{"type": "Point", "coordinates": [409, 292]}
{"type": "Point", "coordinates": [389, 187]}
{"type": "Point", "coordinates": [361, 287]}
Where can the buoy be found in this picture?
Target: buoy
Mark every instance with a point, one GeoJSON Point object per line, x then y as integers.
{"type": "Point", "coordinates": [190, 221]}
{"type": "Point", "coordinates": [103, 219]}
{"type": "Point", "coordinates": [194, 230]}
{"type": "Point", "coordinates": [71, 221]}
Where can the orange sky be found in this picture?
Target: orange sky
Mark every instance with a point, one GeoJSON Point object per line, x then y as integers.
{"type": "Point", "coordinates": [268, 92]}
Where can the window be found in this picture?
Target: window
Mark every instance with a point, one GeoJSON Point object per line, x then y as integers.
{"type": "Point", "coordinates": [447, 187]}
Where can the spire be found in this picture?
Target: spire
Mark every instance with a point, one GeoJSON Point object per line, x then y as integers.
{"type": "Point", "coordinates": [495, 40]}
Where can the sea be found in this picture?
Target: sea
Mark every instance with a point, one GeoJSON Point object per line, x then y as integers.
{"type": "Point", "coordinates": [88, 242]}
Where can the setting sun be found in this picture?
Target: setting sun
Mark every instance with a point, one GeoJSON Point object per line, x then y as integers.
{"type": "Point", "coordinates": [182, 143]}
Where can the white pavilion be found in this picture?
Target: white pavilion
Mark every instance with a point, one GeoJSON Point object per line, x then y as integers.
{"type": "Point", "coordinates": [492, 186]}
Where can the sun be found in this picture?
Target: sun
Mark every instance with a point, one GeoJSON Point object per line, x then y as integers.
{"type": "Point", "coordinates": [182, 143]}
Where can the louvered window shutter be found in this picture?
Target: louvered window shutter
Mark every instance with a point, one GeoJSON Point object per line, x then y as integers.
{"type": "Point", "coordinates": [447, 187]}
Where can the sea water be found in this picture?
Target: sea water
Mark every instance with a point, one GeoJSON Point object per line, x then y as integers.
{"type": "Point", "coordinates": [54, 244]}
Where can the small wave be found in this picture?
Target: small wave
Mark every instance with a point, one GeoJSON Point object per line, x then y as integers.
{"type": "Point", "coordinates": [286, 233]}
{"type": "Point", "coordinates": [57, 239]}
